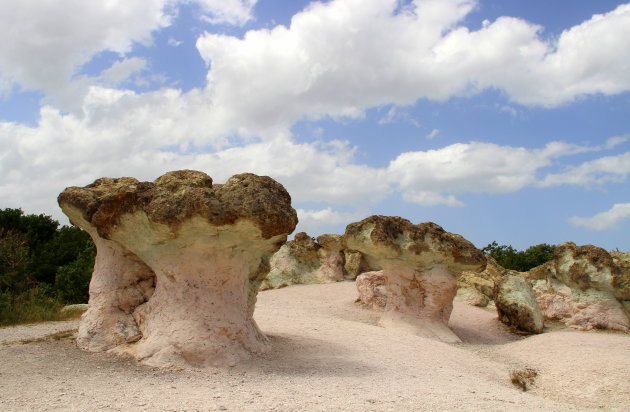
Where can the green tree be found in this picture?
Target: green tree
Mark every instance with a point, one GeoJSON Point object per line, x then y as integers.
{"type": "Point", "coordinates": [14, 262]}
{"type": "Point", "coordinates": [73, 279]}
{"type": "Point", "coordinates": [522, 261]}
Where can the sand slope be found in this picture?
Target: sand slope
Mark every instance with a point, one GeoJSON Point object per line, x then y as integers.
{"type": "Point", "coordinates": [328, 354]}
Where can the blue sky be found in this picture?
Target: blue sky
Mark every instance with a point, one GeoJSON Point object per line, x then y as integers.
{"type": "Point", "coordinates": [499, 120]}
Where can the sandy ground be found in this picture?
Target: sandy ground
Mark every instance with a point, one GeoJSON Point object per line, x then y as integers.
{"type": "Point", "coordinates": [328, 354]}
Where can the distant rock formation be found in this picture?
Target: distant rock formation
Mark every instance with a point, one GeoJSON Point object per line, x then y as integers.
{"type": "Point", "coordinates": [417, 267]}
{"type": "Point", "coordinates": [306, 260]}
{"type": "Point", "coordinates": [516, 304]}
{"type": "Point", "coordinates": [179, 263]}
{"type": "Point", "coordinates": [584, 287]}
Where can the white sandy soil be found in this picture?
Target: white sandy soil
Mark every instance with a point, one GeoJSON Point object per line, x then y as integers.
{"type": "Point", "coordinates": [329, 355]}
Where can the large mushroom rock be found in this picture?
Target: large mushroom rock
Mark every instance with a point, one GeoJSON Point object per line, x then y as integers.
{"type": "Point", "coordinates": [516, 304]}
{"type": "Point", "coordinates": [209, 247]}
{"type": "Point", "coordinates": [584, 287]}
{"type": "Point", "coordinates": [305, 260]}
{"type": "Point", "coordinates": [120, 281]}
{"type": "Point", "coordinates": [421, 264]}
{"type": "Point", "coordinates": [477, 288]}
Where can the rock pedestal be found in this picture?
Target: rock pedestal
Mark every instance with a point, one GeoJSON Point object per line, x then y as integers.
{"type": "Point", "coordinates": [584, 287]}
{"type": "Point", "coordinates": [206, 246]}
{"type": "Point", "coordinates": [416, 272]}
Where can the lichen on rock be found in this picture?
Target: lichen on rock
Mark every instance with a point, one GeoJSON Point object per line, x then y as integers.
{"type": "Point", "coordinates": [584, 287]}
{"type": "Point", "coordinates": [306, 260]}
{"type": "Point", "coordinates": [516, 304]}
{"type": "Point", "coordinates": [206, 248]}
{"type": "Point", "coordinates": [420, 265]}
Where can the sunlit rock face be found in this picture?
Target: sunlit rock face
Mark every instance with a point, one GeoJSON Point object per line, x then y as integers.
{"type": "Point", "coordinates": [416, 271]}
{"type": "Point", "coordinates": [584, 287]}
{"type": "Point", "coordinates": [305, 260]}
{"type": "Point", "coordinates": [516, 304]}
{"type": "Point", "coordinates": [477, 288]}
{"type": "Point", "coordinates": [188, 258]}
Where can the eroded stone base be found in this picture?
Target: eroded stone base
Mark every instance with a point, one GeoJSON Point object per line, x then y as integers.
{"type": "Point", "coordinates": [420, 303]}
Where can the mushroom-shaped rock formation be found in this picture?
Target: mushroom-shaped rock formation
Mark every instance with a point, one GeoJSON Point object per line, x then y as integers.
{"type": "Point", "coordinates": [305, 260]}
{"type": "Point", "coordinates": [208, 247]}
{"type": "Point", "coordinates": [585, 287]}
{"type": "Point", "coordinates": [421, 264]}
{"type": "Point", "coordinates": [516, 304]}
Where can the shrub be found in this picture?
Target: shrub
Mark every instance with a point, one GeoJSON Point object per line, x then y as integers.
{"type": "Point", "coordinates": [33, 305]}
{"type": "Point", "coordinates": [72, 280]}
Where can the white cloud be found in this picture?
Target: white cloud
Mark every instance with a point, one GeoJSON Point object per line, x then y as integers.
{"type": "Point", "coordinates": [465, 167]}
{"type": "Point", "coordinates": [322, 220]}
{"type": "Point", "coordinates": [122, 70]}
{"type": "Point", "coordinates": [432, 177]}
{"type": "Point", "coordinates": [594, 172]}
{"type": "Point", "coordinates": [607, 220]}
{"type": "Point", "coordinates": [236, 12]}
{"type": "Point", "coordinates": [431, 198]}
{"type": "Point", "coordinates": [341, 57]}
{"type": "Point", "coordinates": [432, 134]}
{"type": "Point", "coordinates": [44, 43]}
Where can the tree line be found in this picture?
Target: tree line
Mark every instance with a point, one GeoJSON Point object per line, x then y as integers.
{"type": "Point", "coordinates": [42, 265]}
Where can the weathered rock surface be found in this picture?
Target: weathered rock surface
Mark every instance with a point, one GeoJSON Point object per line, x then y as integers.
{"type": "Point", "coordinates": [354, 264]}
{"type": "Point", "coordinates": [372, 290]}
{"type": "Point", "coordinates": [584, 287]}
{"type": "Point", "coordinates": [516, 304]}
{"type": "Point", "coordinates": [307, 261]}
{"type": "Point", "coordinates": [420, 265]}
{"type": "Point", "coordinates": [477, 288]}
{"type": "Point", "coordinates": [179, 264]}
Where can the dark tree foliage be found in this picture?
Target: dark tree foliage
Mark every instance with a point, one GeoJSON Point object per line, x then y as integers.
{"type": "Point", "coordinates": [522, 261]}
{"type": "Point", "coordinates": [33, 250]}
{"type": "Point", "coordinates": [73, 279]}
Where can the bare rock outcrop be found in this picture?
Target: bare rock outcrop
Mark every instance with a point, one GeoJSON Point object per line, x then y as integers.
{"type": "Point", "coordinates": [305, 260]}
{"type": "Point", "coordinates": [420, 265]}
{"type": "Point", "coordinates": [354, 264]}
{"type": "Point", "coordinates": [179, 264]}
{"type": "Point", "coordinates": [584, 287]}
{"type": "Point", "coordinates": [516, 304]}
{"type": "Point", "coordinates": [477, 288]}
{"type": "Point", "coordinates": [331, 258]}
{"type": "Point", "coordinates": [372, 290]}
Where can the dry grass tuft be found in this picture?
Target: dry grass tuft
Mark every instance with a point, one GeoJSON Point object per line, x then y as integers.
{"type": "Point", "coordinates": [523, 378]}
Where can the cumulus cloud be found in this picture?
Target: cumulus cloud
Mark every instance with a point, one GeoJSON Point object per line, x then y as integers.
{"type": "Point", "coordinates": [594, 172]}
{"type": "Point", "coordinates": [121, 71]}
{"type": "Point", "coordinates": [607, 220]}
{"type": "Point", "coordinates": [340, 57]}
{"type": "Point", "coordinates": [66, 34]}
{"type": "Point", "coordinates": [318, 221]}
{"type": "Point", "coordinates": [424, 176]}
{"type": "Point", "coordinates": [236, 12]}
